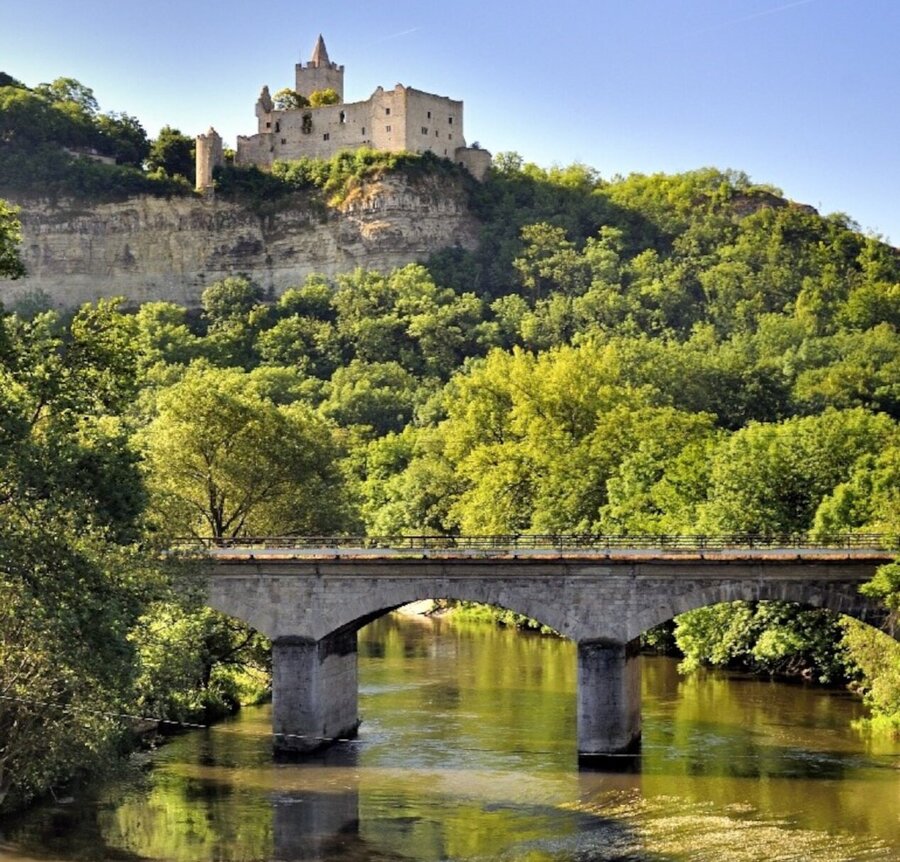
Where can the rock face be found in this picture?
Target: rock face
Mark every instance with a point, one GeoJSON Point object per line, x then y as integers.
{"type": "Point", "coordinates": [148, 249]}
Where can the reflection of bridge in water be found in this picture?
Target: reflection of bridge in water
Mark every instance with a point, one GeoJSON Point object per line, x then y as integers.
{"type": "Point", "coordinates": [311, 596]}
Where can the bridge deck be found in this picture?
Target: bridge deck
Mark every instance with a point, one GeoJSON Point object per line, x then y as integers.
{"type": "Point", "coordinates": [741, 546]}
{"type": "Point", "coordinates": [244, 554]}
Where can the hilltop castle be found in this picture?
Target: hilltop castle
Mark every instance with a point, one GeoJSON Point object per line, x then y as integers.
{"type": "Point", "coordinates": [392, 120]}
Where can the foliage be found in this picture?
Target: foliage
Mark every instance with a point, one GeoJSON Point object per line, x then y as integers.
{"type": "Point", "coordinates": [172, 154]}
{"type": "Point", "coordinates": [885, 586]}
{"type": "Point", "coordinates": [57, 143]}
{"type": "Point", "coordinates": [334, 178]}
{"type": "Point", "coordinates": [876, 660]}
{"type": "Point", "coordinates": [194, 664]}
{"type": "Point", "coordinates": [72, 581]}
{"type": "Point", "coordinates": [51, 172]}
{"type": "Point", "coordinates": [10, 236]}
{"type": "Point", "coordinates": [475, 612]}
{"type": "Point", "coordinates": [328, 96]}
{"type": "Point", "coordinates": [287, 99]}
{"type": "Point", "coordinates": [766, 637]}
{"type": "Point", "coordinates": [224, 461]}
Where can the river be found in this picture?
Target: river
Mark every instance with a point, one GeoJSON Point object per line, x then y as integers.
{"type": "Point", "coordinates": [467, 752]}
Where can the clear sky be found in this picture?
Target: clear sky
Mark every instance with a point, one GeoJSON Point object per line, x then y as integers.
{"type": "Point", "coordinates": [801, 94]}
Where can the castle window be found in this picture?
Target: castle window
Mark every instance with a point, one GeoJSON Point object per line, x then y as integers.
{"type": "Point", "coordinates": [450, 137]}
{"type": "Point", "coordinates": [424, 130]}
{"type": "Point", "coordinates": [268, 125]}
{"type": "Point", "coordinates": [437, 134]}
{"type": "Point", "coordinates": [342, 117]}
{"type": "Point", "coordinates": [326, 136]}
{"type": "Point", "coordinates": [387, 112]}
{"type": "Point", "coordinates": [387, 128]}
{"type": "Point", "coordinates": [363, 129]}
{"type": "Point", "coordinates": [277, 127]}
{"type": "Point", "coordinates": [284, 140]}
{"type": "Point", "coordinates": [450, 120]}
{"type": "Point", "coordinates": [429, 115]}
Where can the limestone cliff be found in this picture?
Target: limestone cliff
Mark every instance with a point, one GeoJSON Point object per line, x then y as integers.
{"type": "Point", "coordinates": [171, 249]}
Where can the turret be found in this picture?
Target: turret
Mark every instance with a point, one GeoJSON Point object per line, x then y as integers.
{"type": "Point", "coordinates": [210, 154]}
{"type": "Point", "coordinates": [319, 73]}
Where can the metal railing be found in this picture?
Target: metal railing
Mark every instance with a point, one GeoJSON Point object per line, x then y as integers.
{"type": "Point", "coordinates": [571, 542]}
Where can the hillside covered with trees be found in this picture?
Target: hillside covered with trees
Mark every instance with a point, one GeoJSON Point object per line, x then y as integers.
{"type": "Point", "coordinates": [651, 354]}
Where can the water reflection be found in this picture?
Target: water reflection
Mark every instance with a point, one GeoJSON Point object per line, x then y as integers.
{"type": "Point", "coordinates": [467, 751]}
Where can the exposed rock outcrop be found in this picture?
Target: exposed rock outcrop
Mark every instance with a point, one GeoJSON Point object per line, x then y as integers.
{"type": "Point", "coordinates": [171, 249]}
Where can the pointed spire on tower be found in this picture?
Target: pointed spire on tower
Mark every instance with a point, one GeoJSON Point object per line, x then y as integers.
{"type": "Point", "coordinates": [320, 54]}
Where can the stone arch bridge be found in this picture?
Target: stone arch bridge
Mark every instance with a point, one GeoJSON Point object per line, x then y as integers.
{"type": "Point", "coordinates": [311, 596]}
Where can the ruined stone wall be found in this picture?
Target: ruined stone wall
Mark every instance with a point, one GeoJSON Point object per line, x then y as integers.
{"type": "Point", "coordinates": [476, 161]}
{"type": "Point", "coordinates": [319, 132]}
{"type": "Point", "coordinates": [256, 150]}
{"type": "Point", "coordinates": [388, 112]}
{"type": "Point", "coordinates": [157, 249]}
{"type": "Point", "coordinates": [433, 123]}
{"type": "Point", "coordinates": [389, 120]}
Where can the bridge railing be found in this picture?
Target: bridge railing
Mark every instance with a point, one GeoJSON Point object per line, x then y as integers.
{"type": "Point", "coordinates": [547, 542]}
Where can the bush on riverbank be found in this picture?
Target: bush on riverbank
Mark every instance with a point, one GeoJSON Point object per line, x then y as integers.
{"type": "Point", "coordinates": [477, 612]}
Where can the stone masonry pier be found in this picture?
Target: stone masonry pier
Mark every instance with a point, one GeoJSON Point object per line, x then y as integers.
{"type": "Point", "coordinates": [311, 602]}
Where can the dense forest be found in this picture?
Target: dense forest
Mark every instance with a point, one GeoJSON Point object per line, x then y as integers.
{"type": "Point", "coordinates": [651, 354]}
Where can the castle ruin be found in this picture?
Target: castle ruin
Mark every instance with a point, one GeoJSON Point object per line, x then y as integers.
{"type": "Point", "coordinates": [401, 119]}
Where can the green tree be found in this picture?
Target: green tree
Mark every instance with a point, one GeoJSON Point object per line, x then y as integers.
{"type": "Point", "coordinates": [311, 345]}
{"type": "Point", "coordinates": [10, 236]}
{"type": "Point", "coordinates": [72, 583]}
{"type": "Point", "coordinates": [289, 100]}
{"type": "Point", "coordinates": [234, 315]}
{"type": "Point", "coordinates": [223, 462]}
{"type": "Point", "coordinates": [72, 91]}
{"type": "Point", "coordinates": [162, 335]}
{"type": "Point", "coordinates": [172, 154]}
{"type": "Point", "coordinates": [328, 96]}
{"type": "Point", "coordinates": [194, 664]}
{"type": "Point", "coordinates": [764, 637]}
{"type": "Point", "coordinates": [378, 396]}
{"type": "Point", "coordinates": [772, 478]}
{"type": "Point", "coordinates": [549, 262]}
{"type": "Point", "coordinates": [123, 137]}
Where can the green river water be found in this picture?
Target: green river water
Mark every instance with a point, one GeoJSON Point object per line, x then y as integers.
{"type": "Point", "coordinates": [467, 752]}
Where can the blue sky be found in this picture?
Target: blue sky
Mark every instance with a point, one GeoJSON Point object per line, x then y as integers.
{"type": "Point", "coordinates": [801, 94]}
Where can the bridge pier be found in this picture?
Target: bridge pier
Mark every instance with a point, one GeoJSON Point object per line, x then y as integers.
{"type": "Point", "coordinates": [314, 692]}
{"type": "Point", "coordinates": [609, 698]}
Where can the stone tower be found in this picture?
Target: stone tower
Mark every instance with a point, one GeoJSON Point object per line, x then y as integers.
{"type": "Point", "coordinates": [319, 73]}
{"type": "Point", "coordinates": [209, 154]}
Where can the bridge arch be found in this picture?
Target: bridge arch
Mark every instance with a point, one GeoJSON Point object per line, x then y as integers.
{"type": "Point", "coordinates": [840, 598]}
{"type": "Point", "coordinates": [356, 615]}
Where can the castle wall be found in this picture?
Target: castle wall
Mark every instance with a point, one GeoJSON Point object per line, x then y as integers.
{"type": "Point", "coordinates": [255, 150]}
{"type": "Point", "coordinates": [327, 130]}
{"type": "Point", "coordinates": [390, 120]}
{"type": "Point", "coordinates": [476, 161]}
{"type": "Point", "coordinates": [433, 123]}
{"type": "Point", "coordinates": [388, 113]}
